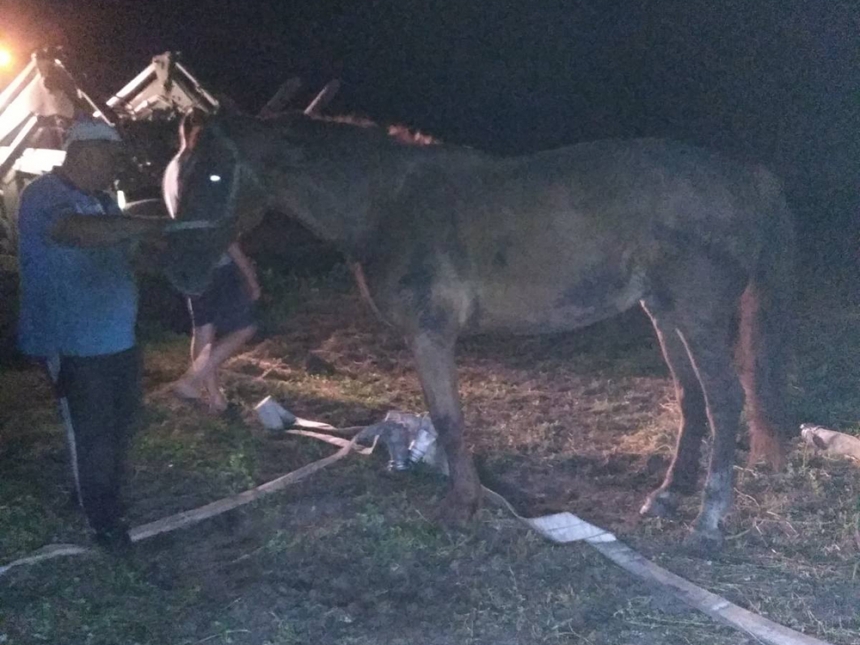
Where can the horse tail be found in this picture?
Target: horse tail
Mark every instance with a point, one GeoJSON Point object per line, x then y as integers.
{"type": "Point", "coordinates": [765, 332]}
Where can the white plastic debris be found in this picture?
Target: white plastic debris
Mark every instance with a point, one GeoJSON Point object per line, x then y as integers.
{"type": "Point", "coordinates": [410, 439]}
{"type": "Point", "coordinates": [273, 415]}
{"type": "Point", "coordinates": [830, 441]}
{"type": "Point", "coordinates": [425, 446]}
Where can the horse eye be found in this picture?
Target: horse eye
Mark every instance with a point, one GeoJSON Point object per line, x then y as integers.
{"type": "Point", "coordinates": [214, 178]}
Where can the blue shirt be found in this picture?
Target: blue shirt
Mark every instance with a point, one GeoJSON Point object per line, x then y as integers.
{"type": "Point", "coordinates": [74, 301]}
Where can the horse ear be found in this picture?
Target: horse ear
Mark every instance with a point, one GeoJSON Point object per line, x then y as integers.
{"type": "Point", "coordinates": [323, 98]}
{"type": "Point", "coordinates": [228, 107]}
{"type": "Point", "coordinates": [190, 125]}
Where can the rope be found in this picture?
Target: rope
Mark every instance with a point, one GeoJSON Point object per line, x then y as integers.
{"type": "Point", "coordinates": [185, 519]}
{"type": "Point", "coordinates": [562, 528]}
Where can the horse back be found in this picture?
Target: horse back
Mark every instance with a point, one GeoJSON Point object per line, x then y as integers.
{"type": "Point", "coordinates": [559, 239]}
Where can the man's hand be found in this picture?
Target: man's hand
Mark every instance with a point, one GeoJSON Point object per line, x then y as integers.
{"type": "Point", "coordinates": [247, 269]}
{"type": "Point", "coordinates": [254, 290]}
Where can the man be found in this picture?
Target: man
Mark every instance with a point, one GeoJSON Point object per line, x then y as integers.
{"type": "Point", "coordinates": [223, 316]}
{"type": "Point", "coordinates": [77, 314]}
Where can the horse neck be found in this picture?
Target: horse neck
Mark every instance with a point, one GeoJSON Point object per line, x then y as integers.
{"type": "Point", "coordinates": [340, 201]}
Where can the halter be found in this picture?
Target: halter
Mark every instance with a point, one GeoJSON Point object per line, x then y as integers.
{"type": "Point", "coordinates": [205, 224]}
{"type": "Point", "coordinates": [190, 225]}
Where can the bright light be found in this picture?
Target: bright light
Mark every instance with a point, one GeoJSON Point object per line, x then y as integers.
{"type": "Point", "coordinates": [5, 57]}
{"type": "Point", "coordinates": [214, 178]}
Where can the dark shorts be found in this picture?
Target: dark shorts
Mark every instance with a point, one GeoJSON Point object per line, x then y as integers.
{"type": "Point", "coordinates": [226, 304]}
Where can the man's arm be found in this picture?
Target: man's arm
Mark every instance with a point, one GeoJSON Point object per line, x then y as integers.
{"type": "Point", "coordinates": [88, 231]}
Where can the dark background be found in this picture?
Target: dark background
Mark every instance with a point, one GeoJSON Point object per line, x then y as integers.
{"type": "Point", "coordinates": [774, 81]}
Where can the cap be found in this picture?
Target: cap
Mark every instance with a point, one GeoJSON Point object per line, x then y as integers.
{"type": "Point", "coordinates": [91, 130]}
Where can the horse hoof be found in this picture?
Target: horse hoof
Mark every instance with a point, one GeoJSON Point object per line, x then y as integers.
{"type": "Point", "coordinates": [704, 542]}
{"type": "Point", "coordinates": [455, 512]}
{"type": "Point", "coordinates": [660, 503]}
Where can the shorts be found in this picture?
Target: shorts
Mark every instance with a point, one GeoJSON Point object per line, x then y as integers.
{"type": "Point", "coordinates": [226, 303]}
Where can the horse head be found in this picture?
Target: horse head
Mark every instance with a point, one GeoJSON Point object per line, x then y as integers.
{"type": "Point", "coordinates": [220, 197]}
{"type": "Point", "coordinates": [315, 170]}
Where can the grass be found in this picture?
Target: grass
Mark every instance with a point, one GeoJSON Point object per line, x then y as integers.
{"type": "Point", "coordinates": [582, 422]}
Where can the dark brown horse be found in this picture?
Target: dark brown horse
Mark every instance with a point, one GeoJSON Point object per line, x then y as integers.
{"type": "Point", "coordinates": [447, 241]}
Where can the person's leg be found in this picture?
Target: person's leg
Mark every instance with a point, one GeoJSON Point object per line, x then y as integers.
{"type": "Point", "coordinates": [222, 350]}
{"type": "Point", "coordinates": [233, 315]}
{"type": "Point", "coordinates": [189, 384]}
{"type": "Point", "coordinates": [52, 367]}
{"type": "Point", "coordinates": [86, 388]}
{"type": "Point", "coordinates": [201, 341]}
{"type": "Point", "coordinates": [128, 396]}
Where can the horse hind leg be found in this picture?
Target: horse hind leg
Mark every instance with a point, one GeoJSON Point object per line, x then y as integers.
{"type": "Point", "coordinates": [706, 334]}
{"type": "Point", "coordinates": [683, 472]}
{"type": "Point", "coordinates": [705, 288]}
{"type": "Point", "coordinates": [434, 356]}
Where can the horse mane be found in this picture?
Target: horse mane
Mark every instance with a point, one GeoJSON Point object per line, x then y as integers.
{"type": "Point", "coordinates": [398, 132]}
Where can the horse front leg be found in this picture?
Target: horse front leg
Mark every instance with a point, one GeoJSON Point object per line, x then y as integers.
{"type": "Point", "coordinates": [434, 357]}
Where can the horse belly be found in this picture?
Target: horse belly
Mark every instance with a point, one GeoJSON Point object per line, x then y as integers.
{"type": "Point", "coordinates": [524, 308]}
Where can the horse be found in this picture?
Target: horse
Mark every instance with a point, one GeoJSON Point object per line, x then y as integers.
{"type": "Point", "coordinates": [447, 241]}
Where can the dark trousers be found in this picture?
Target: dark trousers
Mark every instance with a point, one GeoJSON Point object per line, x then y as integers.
{"type": "Point", "coordinates": [99, 399]}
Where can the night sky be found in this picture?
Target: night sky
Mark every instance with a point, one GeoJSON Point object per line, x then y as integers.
{"type": "Point", "coordinates": [777, 81]}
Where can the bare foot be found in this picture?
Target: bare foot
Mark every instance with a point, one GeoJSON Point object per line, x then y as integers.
{"type": "Point", "coordinates": [217, 403]}
{"type": "Point", "coordinates": [186, 390]}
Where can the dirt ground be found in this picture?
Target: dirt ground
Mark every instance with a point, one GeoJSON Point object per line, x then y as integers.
{"type": "Point", "coordinates": [583, 422]}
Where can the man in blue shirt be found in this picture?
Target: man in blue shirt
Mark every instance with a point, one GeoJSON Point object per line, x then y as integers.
{"type": "Point", "coordinates": [77, 314]}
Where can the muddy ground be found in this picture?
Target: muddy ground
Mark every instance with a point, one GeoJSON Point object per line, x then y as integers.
{"type": "Point", "coordinates": [583, 422]}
